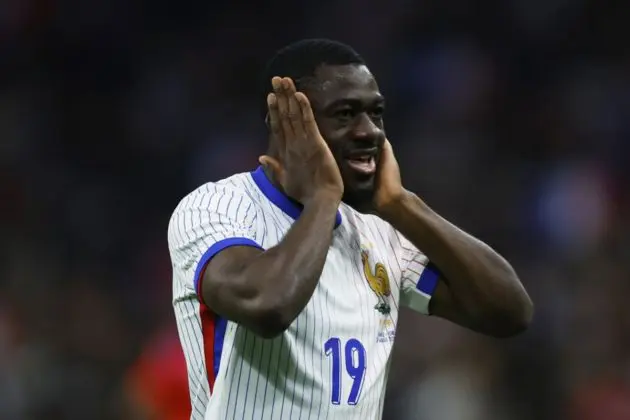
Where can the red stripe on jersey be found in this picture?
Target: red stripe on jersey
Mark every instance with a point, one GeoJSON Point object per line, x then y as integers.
{"type": "Point", "coordinates": [208, 325]}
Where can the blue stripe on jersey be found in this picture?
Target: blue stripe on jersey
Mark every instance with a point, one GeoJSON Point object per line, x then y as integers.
{"type": "Point", "coordinates": [428, 279]}
{"type": "Point", "coordinates": [214, 250]}
{"type": "Point", "coordinates": [220, 324]}
{"type": "Point", "coordinates": [277, 197]}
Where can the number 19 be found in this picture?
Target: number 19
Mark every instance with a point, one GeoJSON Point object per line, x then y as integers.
{"type": "Point", "coordinates": [355, 367]}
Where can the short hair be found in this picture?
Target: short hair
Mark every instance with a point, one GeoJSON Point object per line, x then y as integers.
{"type": "Point", "coordinates": [301, 59]}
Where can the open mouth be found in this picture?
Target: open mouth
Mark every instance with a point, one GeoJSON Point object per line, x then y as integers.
{"type": "Point", "coordinates": [363, 161]}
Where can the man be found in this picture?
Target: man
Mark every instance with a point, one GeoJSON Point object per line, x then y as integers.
{"type": "Point", "coordinates": [288, 279]}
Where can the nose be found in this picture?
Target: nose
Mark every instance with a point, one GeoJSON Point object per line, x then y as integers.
{"type": "Point", "coordinates": [365, 127]}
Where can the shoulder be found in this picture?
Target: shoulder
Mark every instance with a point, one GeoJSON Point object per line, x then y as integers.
{"type": "Point", "coordinates": [370, 222]}
{"type": "Point", "coordinates": [380, 232]}
{"type": "Point", "coordinates": [217, 194]}
{"type": "Point", "coordinates": [230, 201]}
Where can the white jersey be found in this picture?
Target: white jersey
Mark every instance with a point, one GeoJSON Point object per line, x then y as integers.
{"type": "Point", "coordinates": [333, 361]}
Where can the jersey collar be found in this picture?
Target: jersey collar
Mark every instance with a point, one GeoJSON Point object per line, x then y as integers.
{"type": "Point", "coordinates": [277, 197]}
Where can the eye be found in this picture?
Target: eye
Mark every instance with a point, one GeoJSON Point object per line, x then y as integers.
{"type": "Point", "coordinates": [344, 113]}
{"type": "Point", "coordinates": [377, 112]}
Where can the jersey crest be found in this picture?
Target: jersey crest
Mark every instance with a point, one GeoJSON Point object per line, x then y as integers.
{"type": "Point", "coordinates": [378, 280]}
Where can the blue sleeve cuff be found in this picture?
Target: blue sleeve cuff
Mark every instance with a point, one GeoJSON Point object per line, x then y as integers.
{"type": "Point", "coordinates": [428, 279]}
{"type": "Point", "coordinates": [214, 250]}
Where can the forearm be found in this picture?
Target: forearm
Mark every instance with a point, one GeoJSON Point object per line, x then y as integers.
{"type": "Point", "coordinates": [482, 284]}
{"type": "Point", "coordinates": [285, 276]}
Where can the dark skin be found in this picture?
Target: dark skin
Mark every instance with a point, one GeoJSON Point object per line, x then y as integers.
{"type": "Point", "coordinates": [348, 108]}
{"type": "Point", "coordinates": [478, 288]}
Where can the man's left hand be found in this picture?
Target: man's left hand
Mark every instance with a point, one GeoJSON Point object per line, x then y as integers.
{"type": "Point", "coordinates": [389, 191]}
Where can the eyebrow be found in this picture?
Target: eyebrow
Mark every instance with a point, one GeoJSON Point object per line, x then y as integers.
{"type": "Point", "coordinates": [356, 102]}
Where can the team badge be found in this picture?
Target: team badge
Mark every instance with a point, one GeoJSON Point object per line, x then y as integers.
{"type": "Point", "coordinates": [378, 281]}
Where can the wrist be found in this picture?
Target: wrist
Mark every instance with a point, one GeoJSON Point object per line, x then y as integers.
{"type": "Point", "coordinates": [392, 208]}
{"type": "Point", "coordinates": [409, 209]}
{"type": "Point", "coordinates": [323, 199]}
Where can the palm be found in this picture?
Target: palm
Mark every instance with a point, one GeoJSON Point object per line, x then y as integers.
{"type": "Point", "coordinates": [389, 187]}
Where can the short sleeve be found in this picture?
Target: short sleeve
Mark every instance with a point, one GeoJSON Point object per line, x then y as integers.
{"type": "Point", "coordinates": [419, 278]}
{"type": "Point", "coordinates": [207, 221]}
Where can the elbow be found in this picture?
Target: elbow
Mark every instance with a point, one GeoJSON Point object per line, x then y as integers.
{"type": "Point", "coordinates": [515, 318]}
{"type": "Point", "coordinates": [272, 312]}
{"type": "Point", "coordinates": [524, 314]}
{"type": "Point", "coordinates": [263, 316]}
{"type": "Point", "coordinates": [270, 325]}
{"type": "Point", "coordinates": [262, 312]}
{"type": "Point", "coordinates": [504, 313]}
{"type": "Point", "coordinates": [512, 308]}
{"type": "Point", "coordinates": [270, 320]}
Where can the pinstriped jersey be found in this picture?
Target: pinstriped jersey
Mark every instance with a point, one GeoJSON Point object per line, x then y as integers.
{"type": "Point", "coordinates": [333, 360]}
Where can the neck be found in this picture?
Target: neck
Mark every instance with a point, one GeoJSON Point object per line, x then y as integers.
{"type": "Point", "coordinates": [272, 152]}
{"type": "Point", "coordinates": [269, 174]}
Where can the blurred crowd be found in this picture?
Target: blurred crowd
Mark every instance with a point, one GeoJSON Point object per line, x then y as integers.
{"type": "Point", "coordinates": [510, 118]}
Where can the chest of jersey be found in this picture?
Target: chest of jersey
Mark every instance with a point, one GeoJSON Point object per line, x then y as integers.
{"type": "Point", "coordinates": [344, 336]}
{"type": "Point", "coordinates": [358, 292]}
{"type": "Point", "coordinates": [336, 352]}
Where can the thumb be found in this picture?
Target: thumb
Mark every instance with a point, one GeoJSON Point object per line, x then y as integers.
{"type": "Point", "coordinates": [388, 152]}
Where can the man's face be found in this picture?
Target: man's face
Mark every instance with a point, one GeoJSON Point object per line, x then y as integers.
{"type": "Point", "coordinates": [348, 108]}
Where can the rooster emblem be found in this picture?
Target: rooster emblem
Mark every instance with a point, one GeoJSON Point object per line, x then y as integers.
{"type": "Point", "coordinates": [378, 281]}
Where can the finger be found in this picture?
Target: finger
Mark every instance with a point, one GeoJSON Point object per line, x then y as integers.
{"type": "Point", "coordinates": [387, 158]}
{"type": "Point", "coordinates": [295, 112]}
{"type": "Point", "coordinates": [288, 85]}
{"type": "Point", "coordinates": [280, 89]}
{"type": "Point", "coordinates": [308, 118]}
{"type": "Point", "coordinates": [276, 82]}
{"type": "Point", "coordinates": [274, 119]}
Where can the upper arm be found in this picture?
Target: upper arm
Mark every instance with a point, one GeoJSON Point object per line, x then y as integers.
{"type": "Point", "coordinates": [422, 287]}
{"type": "Point", "coordinates": [204, 227]}
{"type": "Point", "coordinates": [425, 290]}
{"type": "Point", "coordinates": [442, 304]}
{"type": "Point", "coordinates": [420, 281]}
{"type": "Point", "coordinates": [445, 305]}
{"type": "Point", "coordinates": [222, 288]}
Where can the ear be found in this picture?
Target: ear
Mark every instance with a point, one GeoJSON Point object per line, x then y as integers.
{"type": "Point", "coordinates": [267, 119]}
{"type": "Point", "coordinates": [273, 165]}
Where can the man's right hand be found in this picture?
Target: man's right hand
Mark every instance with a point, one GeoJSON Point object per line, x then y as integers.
{"type": "Point", "coordinates": [266, 290]}
{"type": "Point", "coordinates": [305, 166]}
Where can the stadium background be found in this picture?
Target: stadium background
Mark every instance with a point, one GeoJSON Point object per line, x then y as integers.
{"type": "Point", "coordinates": [511, 118]}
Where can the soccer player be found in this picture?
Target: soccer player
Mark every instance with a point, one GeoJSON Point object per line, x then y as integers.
{"type": "Point", "coordinates": [287, 280]}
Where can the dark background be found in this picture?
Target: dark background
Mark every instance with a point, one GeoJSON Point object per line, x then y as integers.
{"type": "Point", "coordinates": [511, 118]}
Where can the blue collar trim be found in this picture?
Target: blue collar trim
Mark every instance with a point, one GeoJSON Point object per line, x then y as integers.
{"type": "Point", "coordinates": [277, 197]}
